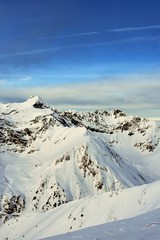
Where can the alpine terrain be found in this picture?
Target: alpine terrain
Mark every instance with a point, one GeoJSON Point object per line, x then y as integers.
{"type": "Point", "coordinates": [64, 171]}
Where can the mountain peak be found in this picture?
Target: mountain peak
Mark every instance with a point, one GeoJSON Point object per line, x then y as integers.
{"type": "Point", "coordinates": [35, 101]}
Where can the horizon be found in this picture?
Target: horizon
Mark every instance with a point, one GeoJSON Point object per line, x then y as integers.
{"type": "Point", "coordinates": [82, 55]}
{"type": "Point", "coordinates": [61, 109]}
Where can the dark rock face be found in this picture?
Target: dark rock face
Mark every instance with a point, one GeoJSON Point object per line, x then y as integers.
{"type": "Point", "coordinates": [15, 204]}
{"type": "Point", "coordinates": [10, 136]}
{"type": "Point", "coordinates": [54, 196]}
{"type": "Point", "coordinates": [11, 206]}
{"type": "Point", "coordinates": [38, 104]}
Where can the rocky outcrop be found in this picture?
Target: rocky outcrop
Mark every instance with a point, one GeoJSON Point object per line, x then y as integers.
{"type": "Point", "coordinates": [11, 206]}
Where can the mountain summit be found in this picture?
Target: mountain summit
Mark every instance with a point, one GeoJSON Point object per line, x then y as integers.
{"type": "Point", "coordinates": [36, 102]}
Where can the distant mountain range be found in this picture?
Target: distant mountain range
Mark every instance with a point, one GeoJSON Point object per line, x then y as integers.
{"type": "Point", "coordinates": [62, 171]}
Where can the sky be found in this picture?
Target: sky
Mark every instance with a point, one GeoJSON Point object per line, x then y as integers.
{"type": "Point", "coordinates": [82, 54]}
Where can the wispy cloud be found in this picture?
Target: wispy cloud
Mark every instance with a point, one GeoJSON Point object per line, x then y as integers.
{"type": "Point", "coordinates": [85, 45]}
{"type": "Point", "coordinates": [72, 35]}
{"type": "Point", "coordinates": [129, 29]}
{"type": "Point", "coordinates": [117, 30]}
{"type": "Point", "coordinates": [30, 52]}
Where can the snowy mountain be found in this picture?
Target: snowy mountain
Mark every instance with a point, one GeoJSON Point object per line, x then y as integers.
{"type": "Point", "coordinates": [58, 164]}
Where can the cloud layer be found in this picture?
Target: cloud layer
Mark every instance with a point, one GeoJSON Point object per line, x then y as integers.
{"type": "Point", "coordinates": [138, 95]}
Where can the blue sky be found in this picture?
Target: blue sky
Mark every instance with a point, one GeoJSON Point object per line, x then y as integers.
{"type": "Point", "coordinates": [82, 54]}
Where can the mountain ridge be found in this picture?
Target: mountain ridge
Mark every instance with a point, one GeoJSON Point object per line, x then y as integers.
{"type": "Point", "coordinates": [50, 158]}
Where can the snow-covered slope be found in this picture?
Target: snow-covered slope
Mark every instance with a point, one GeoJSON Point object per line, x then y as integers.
{"type": "Point", "coordinates": [141, 227]}
{"type": "Point", "coordinates": [49, 158]}
{"type": "Point", "coordinates": [89, 211]}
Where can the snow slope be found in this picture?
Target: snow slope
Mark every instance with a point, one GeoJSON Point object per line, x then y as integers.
{"type": "Point", "coordinates": [141, 227]}
{"type": "Point", "coordinates": [90, 211]}
{"type": "Point", "coordinates": [53, 164]}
